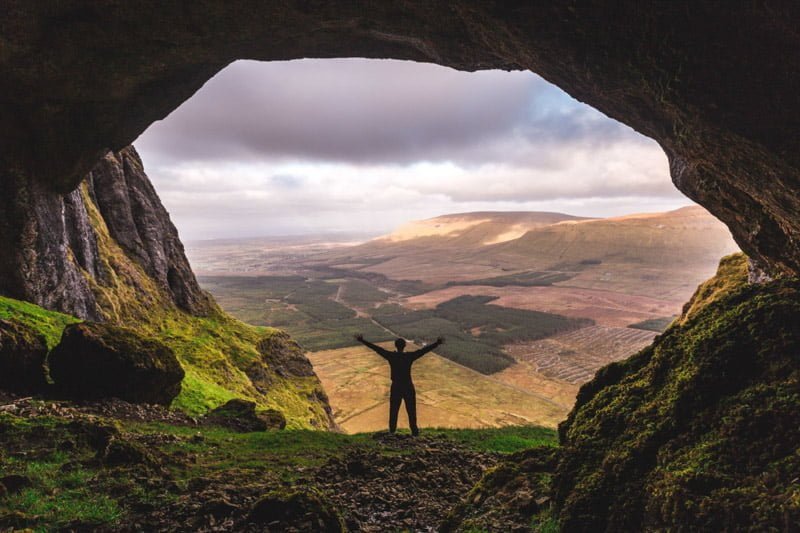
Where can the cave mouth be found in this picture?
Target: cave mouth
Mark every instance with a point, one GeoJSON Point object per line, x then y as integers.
{"type": "Point", "coordinates": [272, 162]}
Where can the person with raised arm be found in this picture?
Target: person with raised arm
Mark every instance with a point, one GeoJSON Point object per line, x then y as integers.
{"type": "Point", "coordinates": [402, 389]}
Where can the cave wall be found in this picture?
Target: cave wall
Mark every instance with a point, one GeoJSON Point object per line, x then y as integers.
{"type": "Point", "coordinates": [714, 84]}
{"type": "Point", "coordinates": [52, 256]}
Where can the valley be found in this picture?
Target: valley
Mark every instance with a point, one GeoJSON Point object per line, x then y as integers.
{"type": "Point", "coordinates": [531, 304]}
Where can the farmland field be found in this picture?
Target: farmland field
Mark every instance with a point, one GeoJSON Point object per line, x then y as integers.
{"type": "Point", "coordinates": [448, 395]}
{"type": "Point", "coordinates": [575, 356]}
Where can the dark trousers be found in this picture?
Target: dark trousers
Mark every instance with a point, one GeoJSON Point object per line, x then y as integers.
{"type": "Point", "coordinates": [403, 392]}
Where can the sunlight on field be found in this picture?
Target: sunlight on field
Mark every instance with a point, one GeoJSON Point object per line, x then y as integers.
{"type": "Point", "coordinates": [448, 395]}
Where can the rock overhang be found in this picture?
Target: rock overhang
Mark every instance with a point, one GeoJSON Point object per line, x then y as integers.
{"type": "Point", "coordinates": [717, 88]}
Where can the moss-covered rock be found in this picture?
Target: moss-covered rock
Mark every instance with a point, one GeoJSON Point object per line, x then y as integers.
{"type": "Point", "coordinates": [296, 510]}
{"type": "Point", "coordinates": [700, 431]}
{"type": "Point", "coordinates": [22, 356]}
{"type": "Point", "coordinates": [285, 355]}
{"type": "Point", "coordinates": [509, 495]}
{"type": "Point", "coordinates": [102, 361]}
{"type": "Point", "coordinates": [240, 415]}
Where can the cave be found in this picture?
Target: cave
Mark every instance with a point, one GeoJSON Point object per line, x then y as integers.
{"type": "Point", "coordinates": [716, 87]}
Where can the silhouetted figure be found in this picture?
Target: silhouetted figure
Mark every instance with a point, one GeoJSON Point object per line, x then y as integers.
{"type": "Point", "coordinates": [402, 386]}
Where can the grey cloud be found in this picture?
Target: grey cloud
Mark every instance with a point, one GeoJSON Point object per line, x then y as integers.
{"type": "Point", "coordinates": [361, 111]}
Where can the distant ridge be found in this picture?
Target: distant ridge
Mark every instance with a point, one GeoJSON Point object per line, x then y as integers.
{"type": "Point", "coordinates": [636, 253]}
{"type": "Point", "coordinates": [487, 227]}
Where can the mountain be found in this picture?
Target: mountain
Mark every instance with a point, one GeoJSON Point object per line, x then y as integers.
{"type": "Point", "coordinates": [676, 250]}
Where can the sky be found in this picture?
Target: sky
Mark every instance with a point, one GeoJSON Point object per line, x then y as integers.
{"type": "Point", "coordinates": [362, 146]}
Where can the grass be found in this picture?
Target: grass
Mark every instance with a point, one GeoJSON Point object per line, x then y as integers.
{"type": "Point", "coordinates": [49, 323]}
{"type": "Point", "coordinates": [70, 489]}
{"type": "Point", "coordinates": [476, 330]}
{"type": "Point", "coordinates": [521, 279]}
{"type": "Point", "coordinates": [216, 350]}
{"type": "Point", "coordinates": [305, 308]}
{"type": "Point", "coordinates": [507, 439]}
{"type": "Point", "coordinates": [448, 395]}
{"type": "Point", "coordinates": [61, 498]}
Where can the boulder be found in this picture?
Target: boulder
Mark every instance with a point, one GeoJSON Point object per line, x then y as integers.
{"type": "Point", "coordinates": [15, 483]}
{"type": "Point", "coordinates": [296, 511]}
{"type": "Point", "coordinates": [22, 356]}
{"type": "Point", "coordinates": [283, 354]}
{"type": "Point", "coordinates": [95, 361]}
{"type": "Point", "coordinates": [240, 415]}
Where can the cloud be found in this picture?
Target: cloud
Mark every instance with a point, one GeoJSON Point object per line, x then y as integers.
{"type": "Point", "coordinates": [348, 110]}
{"type": "Point", "coordinates": [315, 145]}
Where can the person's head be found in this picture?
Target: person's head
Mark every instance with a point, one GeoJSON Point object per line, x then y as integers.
{"type": "Point", "coordinates": [400, 344]}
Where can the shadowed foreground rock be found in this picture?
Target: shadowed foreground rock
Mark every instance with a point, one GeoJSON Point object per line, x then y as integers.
{"type": "Point", "coordinates": [508, 495]}
{"type": "Point", "coordinates": [95, 361]}
{"type": "Point", "coordinates": [22, 355]}
{"type": "Point", "coordinates": [295, 511]}
{"type": "Point", "coordinates": [240, 415]}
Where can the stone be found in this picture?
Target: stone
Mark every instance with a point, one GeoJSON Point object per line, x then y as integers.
{"type": "Point", "coordinates": [240, 415]}
{"type": "Point", "coordinates": [140, 224]}
{"type": "Point", "coordinates": [95, 361]}
{"type": "Point", "coordinates": [121, 452]}
{"type": "Point", "coordinates": [285, 355]}
{"type": "Point", "coordinates": [52, 257]}
{"type": "Point", "coordinates": [297, 510]}
{"type": "Point", "coordinates": [682, 434]}
{"type": "Point", "coordinates": [22, 356]}
{"type": "Point", "coordinates": [14, 483]}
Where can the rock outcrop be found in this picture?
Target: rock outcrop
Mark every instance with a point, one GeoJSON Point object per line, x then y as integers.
{"type": "Point", "coordinates": [138, 222]}
{"type": "Point", "coordinates": [54, 257]}
{"type": "Point", "coordinates": [240, 415]}
{"type": "Point", "coordinates": [698, 432]}
{"type": "Point", "coordinates": [22, 356]}
{"type": "Point", "coordinates": [95, 361]}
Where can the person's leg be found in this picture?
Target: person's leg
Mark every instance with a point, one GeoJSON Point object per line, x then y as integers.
{"type": "Point", "coordinates": [395, 397]}
{"type": "Point", "coordinates": [410, 398]}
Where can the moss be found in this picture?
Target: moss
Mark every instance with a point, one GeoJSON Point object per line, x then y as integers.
{"type": "Point", "coordinates": [517, 491]}
{"type": "Point", "coordinates": [49, 324]}
{"type": "Point", "coordinates": [63, 492]}
{"type": "Point", "coordinates": [698, 431]}
{"type": "Point", "coordinates": [732, 274]}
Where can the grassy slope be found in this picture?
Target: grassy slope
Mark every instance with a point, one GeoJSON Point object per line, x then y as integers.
{"type": "Point", "coordinates": [49, 323]}
{"type": "Point", "coordinates": [102, 495]}
{"type": "Point", "coordinates": [698, 431]}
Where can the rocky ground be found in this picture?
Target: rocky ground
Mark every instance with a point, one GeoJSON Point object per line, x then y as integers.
{"type": "Point", "coordinates": [112, 465]}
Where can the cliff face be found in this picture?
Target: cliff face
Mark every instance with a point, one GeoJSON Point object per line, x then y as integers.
{"type": "Point", "coordinates": [54, 258]}
{"type": "Point", "coordinates": [138, 222]}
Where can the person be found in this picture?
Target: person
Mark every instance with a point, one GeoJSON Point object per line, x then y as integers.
{"type": "Point", "coordinates": [402, 387]}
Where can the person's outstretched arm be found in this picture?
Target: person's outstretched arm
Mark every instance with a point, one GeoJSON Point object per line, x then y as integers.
{"type": "Point", "coordinates": [422, 351]}
{"type": "Point", "coordinates": [374, 347]}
